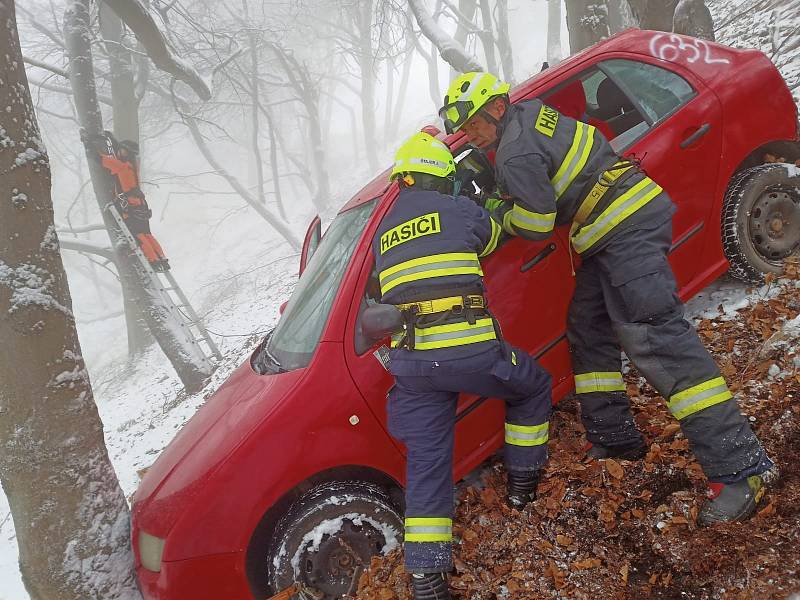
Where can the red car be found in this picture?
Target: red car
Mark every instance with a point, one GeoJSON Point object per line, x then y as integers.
{"type": "Point", "coordinates": [288, 474]}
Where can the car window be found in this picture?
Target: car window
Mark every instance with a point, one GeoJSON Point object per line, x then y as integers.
{"type": "Point", "coordinates": [297, 334]}
{"type": "Point", "coordinates": [622, 98]}
{"type": "Point", "coordinates": [658, 92]}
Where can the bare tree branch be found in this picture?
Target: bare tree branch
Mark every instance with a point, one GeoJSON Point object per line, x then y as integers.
{"type": "Point", "coordinates": [43, 65]}
{"type": "Point", "coordinates": [141, 22]}
{"type": "Point", "coordinates": [452, 52]}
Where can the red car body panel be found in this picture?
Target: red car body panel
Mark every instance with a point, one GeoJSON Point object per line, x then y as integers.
{"type": "Point", "coordinates": [260, 438]}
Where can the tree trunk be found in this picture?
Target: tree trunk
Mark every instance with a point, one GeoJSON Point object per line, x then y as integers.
{"type": "Point", "coordinates": [504, 41]}
{"type": "Point", "coordinates": [366, 62]}
{"type": "Point", "coordinates": [467, 10]}
{"type": "Point", "coordinates": [692, 17]}
{"type": "Point", "coordinates": [587, 21]}
{"type": "Point", "coordinates": [125, 114]}
{"type": "Point", "coordinates": [273, 163]}
{"type": "Point", "coordinates": [254, 76]}
{"type": "Point", "coordinates": [394, 126]}
{"type": "Point", "coordinates": [654, 14]}
{"type": "Point", "coordinates": [70, 515]}
{"type": "Point", "coordinates": [620, 16]}
{"type": "Point", "coordinates": [487, 37]}
{"type": "Point", "coordinates": [554, 53]}
{"type": "Point", "coordinates": [181, 354]}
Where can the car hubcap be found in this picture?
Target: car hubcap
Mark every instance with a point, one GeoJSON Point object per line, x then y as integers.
{"type": "Point", "coordinates": [332, 569]}
{"type": "Point", "coordinates": [775, 224]}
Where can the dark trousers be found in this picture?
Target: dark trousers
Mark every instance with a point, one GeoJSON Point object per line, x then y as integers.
{"type": "Point", "coordinates": [626, 296]}
{"type": "Point", "coordinates": [422, 414]}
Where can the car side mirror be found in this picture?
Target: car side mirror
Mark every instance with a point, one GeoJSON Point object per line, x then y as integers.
{"type": "Point", "coordinates": [310, 242]}
{"type": "Point", "coordinates": [380, 320]}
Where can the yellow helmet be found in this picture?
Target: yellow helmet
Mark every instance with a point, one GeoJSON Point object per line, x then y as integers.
{"type": "Point", "coordinates": [423, 153]}
{"type": "Point", "coordinates": [467, 94]}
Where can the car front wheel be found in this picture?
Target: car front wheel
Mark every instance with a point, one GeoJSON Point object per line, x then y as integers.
{"type": "Point", "coordinates": [329, 536]}
{"type": "Point", "coordinates": [761, 220]}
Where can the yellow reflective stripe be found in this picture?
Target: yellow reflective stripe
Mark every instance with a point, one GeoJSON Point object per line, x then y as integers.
{"type": "Point", "coordinates": [491, 246]}
{"type": "Point", "coordinates": [426, 267]}
{"type": "Point", "coordinates": [522, 218]}
{"type": "Point", "coordinates": [599, 381]}
{"type": "Point", "coordinates": [454, 334]}
{"type": "Point", "coordinates": [507, 227]}
{"type": "Point", "coordinates": [616, 212]}
{"type": "Point", "coordinates": [425, 260]}
{"type": "Point", "coordinates": [576, 158]}
{"type": "Point", "coordinates": [698, 397]}
{"type": "Point", "coordinates": [527, 435]}
{"type": "Point", "coordinates": [428, 529]}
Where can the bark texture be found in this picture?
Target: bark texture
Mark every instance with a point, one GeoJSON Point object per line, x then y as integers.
{"type": "Point", "coordinates": [587, 21]}
{"type": "Point", "coordinates": [69, 512]}
{"type": "Point", "coordinates": [692, 17]}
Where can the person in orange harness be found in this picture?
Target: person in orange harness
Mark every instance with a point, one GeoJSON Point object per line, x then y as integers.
{"type": "Point", "coordinates": [120, 159]}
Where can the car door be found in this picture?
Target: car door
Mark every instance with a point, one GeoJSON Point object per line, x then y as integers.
{"type": "Point", "coordinates": [680, 149]}
{"type": "Point", "coordinates": [667, 118]}
{"type": "Point", "coordinates": [529, 286]}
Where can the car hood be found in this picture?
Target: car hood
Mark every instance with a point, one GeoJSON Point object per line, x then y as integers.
{"type": "Point", "coordinates": [205, 443]}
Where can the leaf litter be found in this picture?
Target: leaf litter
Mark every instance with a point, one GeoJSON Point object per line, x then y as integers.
{"type": "Point", "coordinates": [617, 529]}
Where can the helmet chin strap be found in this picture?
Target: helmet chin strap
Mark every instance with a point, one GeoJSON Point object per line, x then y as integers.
{"type": "Point", "coordinates": [490, 118]}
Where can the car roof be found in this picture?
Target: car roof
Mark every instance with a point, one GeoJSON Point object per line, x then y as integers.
{"type": "Point", "coordinates": [631, 41]}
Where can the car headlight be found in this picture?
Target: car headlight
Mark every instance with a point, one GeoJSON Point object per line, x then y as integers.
{"type": "Point", "coordinates": [150, 550]}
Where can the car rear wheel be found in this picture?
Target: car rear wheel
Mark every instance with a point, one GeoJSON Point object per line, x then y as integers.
{"type": "Point", "coordinates": [761, 220]}
{"type": "Point", "coordinates": [329, 536]}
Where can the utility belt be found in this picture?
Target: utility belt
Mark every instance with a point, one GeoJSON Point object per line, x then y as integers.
{"type": "Point", "coordinates": [608, 180]}
{"type": "Point", "coordinates": [446, 323]}
{"type": "Point", "coordinates": [618, 206]}
{"type": "Point", "coordinates": [133, 202]}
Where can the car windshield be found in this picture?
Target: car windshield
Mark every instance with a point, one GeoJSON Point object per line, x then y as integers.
{"type": "Point", "coordinates": [294, 340]}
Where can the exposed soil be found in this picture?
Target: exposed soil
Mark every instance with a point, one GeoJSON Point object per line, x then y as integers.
{"type": "Point", "coordinates": [618, 529]}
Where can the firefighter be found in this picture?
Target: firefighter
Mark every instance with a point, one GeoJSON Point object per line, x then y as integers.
{"type": "Point", "coordinates": [427, 254]}
{"type": "Point", "coordinates": [553, 170]}
{"type": "Point", "coordinates": [120, 159]}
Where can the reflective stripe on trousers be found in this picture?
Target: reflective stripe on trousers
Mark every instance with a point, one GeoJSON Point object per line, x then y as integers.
{"type": "Point", "coordinates": [428, 529]}
{"type": "Point", "coordinates": [698, 397]}
{"type": "Point", "coordinates": [427, 267]}
{"type": "Point", "coordinates": [527, 435]}
{"type": "Point", "coordinates": [600, 381]}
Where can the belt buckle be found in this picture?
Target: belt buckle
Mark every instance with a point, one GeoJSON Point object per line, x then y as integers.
{"type": "Point", "coordinates": [473, 302]}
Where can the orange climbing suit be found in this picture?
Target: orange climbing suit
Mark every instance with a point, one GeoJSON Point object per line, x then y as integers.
{"type": "Point", "coordinates": [133, 207]}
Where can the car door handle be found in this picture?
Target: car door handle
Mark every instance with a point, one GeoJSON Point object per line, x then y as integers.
{"type": "Point", "coordinates": [704, 129]}
{"type": "Point", "coordinates": [543, 253]}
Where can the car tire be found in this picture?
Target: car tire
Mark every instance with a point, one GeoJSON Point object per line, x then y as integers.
{"type": "Point", "coordinates": [329, 536]}
{"type": "Point", "coordinates": [761, 220]}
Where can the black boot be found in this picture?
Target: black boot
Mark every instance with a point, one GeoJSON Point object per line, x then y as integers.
{"type": "Point", "coordinates": [430, 586]}
{"type": "Point", "coordinates": [521, 488]}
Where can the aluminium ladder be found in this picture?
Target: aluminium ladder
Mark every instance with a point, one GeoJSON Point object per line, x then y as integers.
{"type": "Point", "coordinates": [186, 323]}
